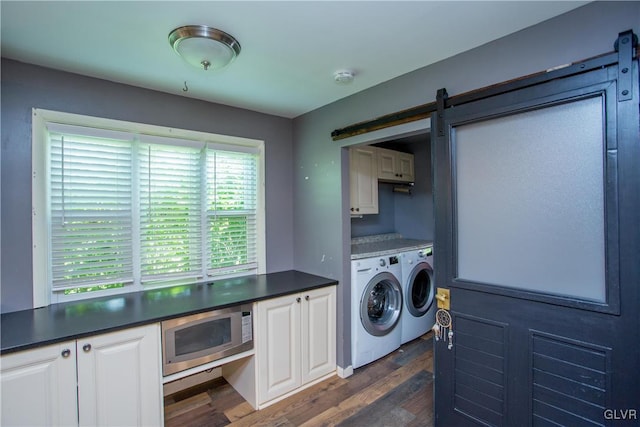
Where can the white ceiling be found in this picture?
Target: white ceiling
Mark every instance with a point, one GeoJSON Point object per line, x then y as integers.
{"type": "Point", "coordinates": [290, 49]}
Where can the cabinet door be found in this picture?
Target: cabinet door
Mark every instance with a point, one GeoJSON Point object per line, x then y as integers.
{"type": "Point", "coordinates": [278, 345]}
{"type": "Point", "coordinates": [363, 181]}
{"type": "Point", "coordinates": [395, 166]}
{"type": "Point", "coordinates": [318, 333]}
{"type": "Point", "coordinates": [38, 387]}
{"type": "Point", "coordinates": [119, 378]}
{"type": "Point", "coordinates": [405, 167]}
{"type": "Point", "coordinates": [387, 164]}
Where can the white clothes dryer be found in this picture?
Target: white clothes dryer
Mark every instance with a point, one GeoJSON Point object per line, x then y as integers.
{"type": "Point", "coordinates": [419, 309]}
{"type": "Point", "coordinates": [376, 306]}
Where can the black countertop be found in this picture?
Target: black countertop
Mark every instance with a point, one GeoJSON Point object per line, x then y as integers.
{"type": "Point", "coordinates": [60, 322]}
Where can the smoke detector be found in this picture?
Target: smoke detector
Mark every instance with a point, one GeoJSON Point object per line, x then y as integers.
{"type": "Point", "coordinates": [343, 77]}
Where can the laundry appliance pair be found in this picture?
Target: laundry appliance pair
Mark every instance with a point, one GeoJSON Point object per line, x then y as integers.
{"type": "Point", "coordinates": [391, 302]}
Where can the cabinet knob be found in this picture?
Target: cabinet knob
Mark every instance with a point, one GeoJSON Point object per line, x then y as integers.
{"type": "Point", "coordinates": [66, 353]}
{"type": "Point", "coordinates": [351, 209]}
{"type": "Point", "coordinates": [357, 209]}
{"type": "Point", "coordinates": [86, 348]}
{"type": "Point", "coordinates": [298, 299]}
{"type": "Point", "coordinates": [306, 297]}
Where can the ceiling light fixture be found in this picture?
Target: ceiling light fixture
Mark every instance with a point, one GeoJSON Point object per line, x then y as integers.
{"type": "Point", "coordinates": [343, 77]}
{"type": "Point", "coordinates": [204, 47]}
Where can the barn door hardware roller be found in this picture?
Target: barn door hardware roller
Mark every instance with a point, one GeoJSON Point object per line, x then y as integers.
{"type": "Point", "coordinates": [625, 45]}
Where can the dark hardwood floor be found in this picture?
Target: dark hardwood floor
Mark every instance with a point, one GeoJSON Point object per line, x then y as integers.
{"type": "Point", "coordinates": [394, 391]}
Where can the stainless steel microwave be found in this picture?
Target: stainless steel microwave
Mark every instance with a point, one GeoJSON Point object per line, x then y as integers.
{"type": "Point", "coordinates": [201, 338]}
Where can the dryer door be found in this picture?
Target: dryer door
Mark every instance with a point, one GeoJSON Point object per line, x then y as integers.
{"type": "Point", "coordinates": [420, 290]}
{"type": "Point", "coordinates": [380, 304]}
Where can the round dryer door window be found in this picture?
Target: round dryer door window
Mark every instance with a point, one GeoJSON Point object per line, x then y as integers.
{"type": "Point", "coordinates": [381, 304]}
{"type": "Point", "coordinates": [420, 293]}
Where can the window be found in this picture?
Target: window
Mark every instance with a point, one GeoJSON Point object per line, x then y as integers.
{"type": "Point", "coordinates": [120, 206]}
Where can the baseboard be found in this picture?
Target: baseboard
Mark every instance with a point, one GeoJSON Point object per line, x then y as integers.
{"type": "Point", "coordinates": [345, 372]}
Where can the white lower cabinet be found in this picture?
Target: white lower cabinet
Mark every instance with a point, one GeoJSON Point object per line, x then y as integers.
{"type": "Point", "coordinates": [103, 380]}
{"type": "Point", "coordinates": [38, 387]}
{"type": "Point", "coordinates": [119, 378]}
{"type": "Point", "coordinates": [318, 333]}
{"type": "Point", "coordinates": [295, 342]}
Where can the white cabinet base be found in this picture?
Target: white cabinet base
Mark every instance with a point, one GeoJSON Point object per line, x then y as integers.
{"type": "Point", "coordinates": [278, 346]}
{"type": "Point", "coordinates": [318, 333]}
{"type": "Point", "coordinates": [295, 343]}
{"type": "Point", "coordinates": [38, 387]}
{"type": "Point", "coordinates": [103, 380]}
{"type": "Point", "coordinates": [119, 379]}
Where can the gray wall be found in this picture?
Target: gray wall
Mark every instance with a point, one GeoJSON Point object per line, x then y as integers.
{"type": "Point", "coordinates": [322, 225]}
{"type": "Point", "coordinates": [26, 86]}
{"type": "Point", "coordinates": [414, 217]}
{"type": "Point", "coordinates": [381, 223]}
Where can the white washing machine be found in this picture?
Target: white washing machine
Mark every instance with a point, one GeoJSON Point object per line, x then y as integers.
{"type": "Point", "coordinates": [376, 308]}
{"type": "Point", "coordinates": [418, 288]}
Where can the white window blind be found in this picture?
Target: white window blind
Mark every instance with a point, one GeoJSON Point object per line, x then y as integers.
{"type": "Point", "coordinates": [170, 212]}
{"type": "Point", "coordinates": [232, 182]}
{"type": "Point", "coordinates": [129, 209]}
{"type": "Point", "coordinates": [90, 210]}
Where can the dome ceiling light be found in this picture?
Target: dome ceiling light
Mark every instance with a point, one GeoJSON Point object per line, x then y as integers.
{"type": "Point", "coordinates": [204, 47]}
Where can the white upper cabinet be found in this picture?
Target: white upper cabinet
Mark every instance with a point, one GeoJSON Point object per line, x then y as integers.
{"type": "Point", "coordinates": [367, 166]}
{"type": "Point", "coordinates": [363, 178]}
{"type": "Point", "coordinates": [395, 166]}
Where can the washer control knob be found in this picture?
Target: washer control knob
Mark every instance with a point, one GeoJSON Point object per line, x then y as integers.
{"type": "Point", "coordinates": [409, 261]}
{"type": "Point", "coordinates": [421, 254]}
{"type": "Point", "coordinates": [382, 262]}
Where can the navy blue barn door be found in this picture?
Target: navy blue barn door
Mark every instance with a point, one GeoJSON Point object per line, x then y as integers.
{"type": "Point", "coordinates": [537, 195]}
